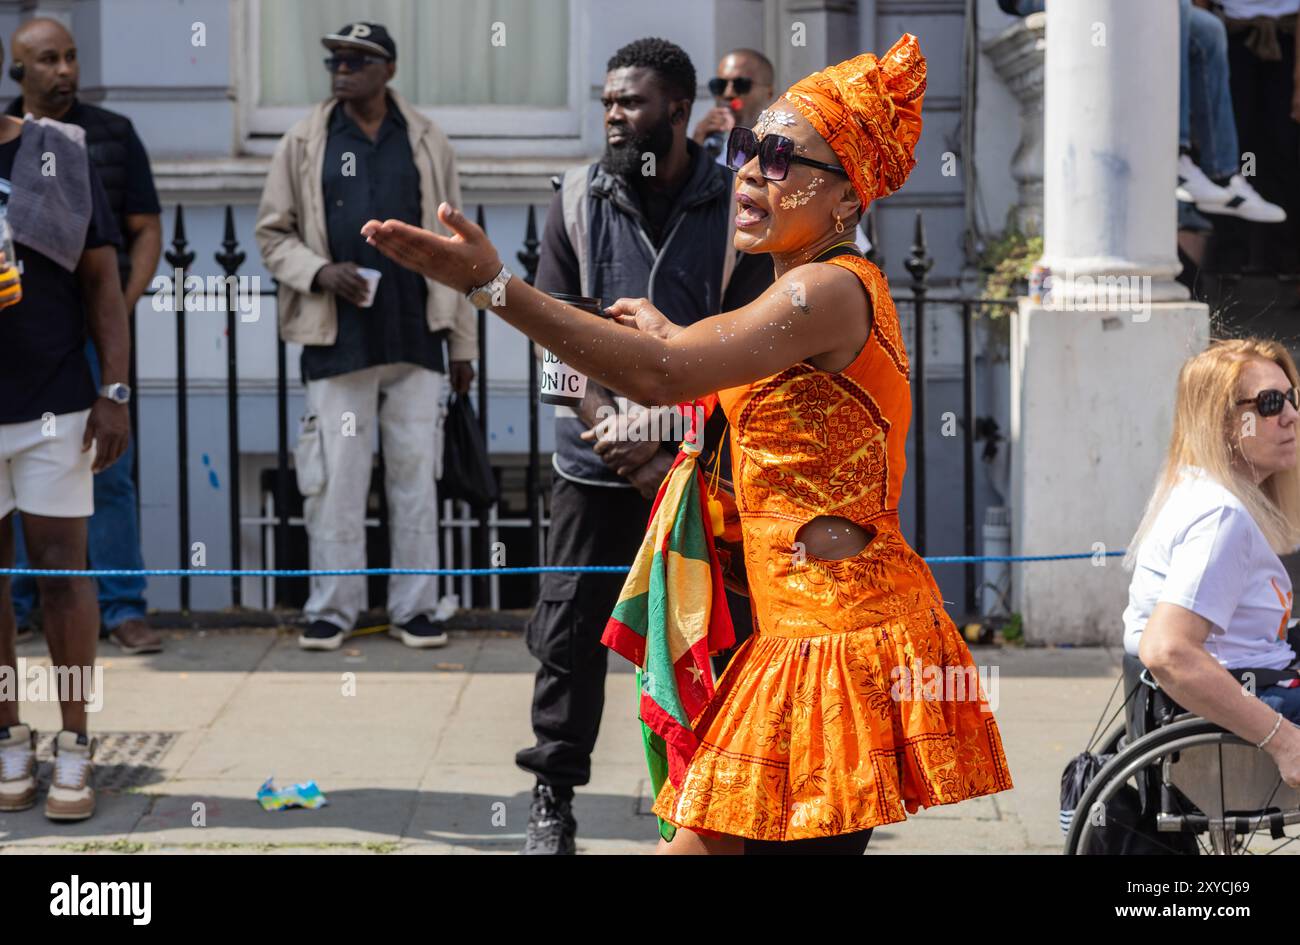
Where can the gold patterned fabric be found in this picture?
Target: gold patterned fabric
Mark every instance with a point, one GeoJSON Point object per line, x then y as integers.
{"type": "Point", "coordinates": [829, 719]}
{"type": "Point", "coordinates": [869, 111]}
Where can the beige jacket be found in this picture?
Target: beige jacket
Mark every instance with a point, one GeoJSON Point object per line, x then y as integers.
{"type": "Point", "coordinates": [292, 237]}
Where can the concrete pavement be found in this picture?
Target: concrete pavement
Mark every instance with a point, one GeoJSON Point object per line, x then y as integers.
{"type": "Point", "coordinates": [415, 750]}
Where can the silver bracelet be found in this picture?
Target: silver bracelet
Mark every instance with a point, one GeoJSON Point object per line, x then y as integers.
{"type": "Point", "coordinates": [1276, 725]}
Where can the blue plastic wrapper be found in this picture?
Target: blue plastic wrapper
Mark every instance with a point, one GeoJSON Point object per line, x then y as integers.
{"type": "Point", "coordinates": [306, 795]}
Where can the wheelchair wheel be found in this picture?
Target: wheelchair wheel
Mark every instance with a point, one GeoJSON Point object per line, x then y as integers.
{"type": "Point", "coordinates": [1113, 742]}
{"type": "Point", "coordinates": [1203, 790]}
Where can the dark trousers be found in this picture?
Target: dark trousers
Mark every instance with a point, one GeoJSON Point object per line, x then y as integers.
{"type": "Point", "coordinates": [590, 525]}
{"type": "Point", "coordinates": [1261, 102]}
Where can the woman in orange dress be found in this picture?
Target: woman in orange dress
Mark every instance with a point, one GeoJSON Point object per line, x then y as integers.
{"type": "Point", "coordinates": [856, 701]}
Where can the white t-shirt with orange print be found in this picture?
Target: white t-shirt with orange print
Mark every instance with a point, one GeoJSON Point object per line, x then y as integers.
{"type": "Point", "coordinates": [1205, 553]}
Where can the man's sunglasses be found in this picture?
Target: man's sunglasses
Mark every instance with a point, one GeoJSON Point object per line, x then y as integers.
{"type": "Point", "coordinates": [354, 63]}
{"type": "Point", "coordinates": [775, 154]}
{"type": "Point", "coordinates": [718, 85]}
{"type": "Point", "coordinates": [1269, 403]}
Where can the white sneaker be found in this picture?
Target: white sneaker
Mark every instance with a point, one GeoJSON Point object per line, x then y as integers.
{"type": "Point", "coordinates": [17, 768]}
{"type": "Point", "coordinates": [1245, 202]}
{"type": "Point", "coordinates": [1195, 187]}
{"type": "Point", "coordinates": [72, 797]}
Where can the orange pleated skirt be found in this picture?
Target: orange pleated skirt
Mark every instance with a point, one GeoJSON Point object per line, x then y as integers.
{"type": "Point", "coordinates": [814, 736]}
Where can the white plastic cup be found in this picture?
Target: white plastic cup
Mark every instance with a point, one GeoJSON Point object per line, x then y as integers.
{"type": "Point", "coordinates": [372, 284]}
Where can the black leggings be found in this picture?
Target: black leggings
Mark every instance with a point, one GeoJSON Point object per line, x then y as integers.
{"type": "Point", "coordinates": [846, 844]}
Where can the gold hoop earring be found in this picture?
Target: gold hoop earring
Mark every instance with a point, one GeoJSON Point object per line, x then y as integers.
{"type": "Point", "coordinates": [839, 224]}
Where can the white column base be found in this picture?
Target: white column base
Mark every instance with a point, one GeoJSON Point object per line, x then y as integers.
{"type": "Point", "coordinates": [1092, 397]}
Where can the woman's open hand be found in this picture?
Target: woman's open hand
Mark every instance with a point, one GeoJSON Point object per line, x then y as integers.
{"type": "Point", "coordinates": [464, 260]}
{"type": "Point", "coordinates": [641, 315]}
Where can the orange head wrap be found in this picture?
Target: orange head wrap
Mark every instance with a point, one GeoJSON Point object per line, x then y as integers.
{"type": "Point", "coordinates": [869, 112]}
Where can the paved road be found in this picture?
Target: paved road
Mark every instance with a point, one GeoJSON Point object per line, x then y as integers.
{"type": "Point", "coordinates": [415, 751]}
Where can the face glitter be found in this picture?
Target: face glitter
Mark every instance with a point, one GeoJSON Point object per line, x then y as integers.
{"type": "Point", "coordinates": [800, 197]}
{"type": "Point", "coordinates": [770, 119]}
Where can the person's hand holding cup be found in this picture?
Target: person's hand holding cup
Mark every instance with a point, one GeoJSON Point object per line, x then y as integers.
{"type": "Point", "coordinates": [345, 280]}
{"type": "Point", "coordinates": [372, 285]}
{"type": "Point", "coordinates": [719, 120]}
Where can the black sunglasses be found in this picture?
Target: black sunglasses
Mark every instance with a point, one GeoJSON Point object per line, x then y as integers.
{"type": "Point", "coordinates": [1269, 403]}
{"type": "Point", "coordinates": [718, 85]}
{"type": "Point", "coordinates": [354, 63]}
{"type": "Point", "coordinates": [775, 154]}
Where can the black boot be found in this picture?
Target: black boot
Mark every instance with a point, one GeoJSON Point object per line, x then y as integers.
{"type": "Point", "coordinates": [551, 827]}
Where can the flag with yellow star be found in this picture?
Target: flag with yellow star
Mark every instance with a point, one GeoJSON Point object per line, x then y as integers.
{"type": "Point", "coordinates": [672, 613]}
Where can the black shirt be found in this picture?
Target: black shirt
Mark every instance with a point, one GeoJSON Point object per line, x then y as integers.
{"type": "Point", "coordinates": [362, 180]}
{"type": "Point", "coordinates": [657, 207]}
{"type": "Point", "coordinates": [43, 366]}
{"type": "Point", "coordinates": [751, 277]}
{"type": "Point", "coordinates": [121, 161]}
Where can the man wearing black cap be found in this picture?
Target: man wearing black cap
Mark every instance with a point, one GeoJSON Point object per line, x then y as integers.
{"type": "Point", "coordinates": [373, 332]}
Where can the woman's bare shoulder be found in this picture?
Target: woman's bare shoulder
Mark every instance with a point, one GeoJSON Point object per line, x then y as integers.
{"type": "Point", "coordinates": [838, 306]}
{"type": "Point", "coordinates": [826, 285]}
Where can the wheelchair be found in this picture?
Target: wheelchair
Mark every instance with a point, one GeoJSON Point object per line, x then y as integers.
{"type": "Point", "coordinates": [1198, 788]}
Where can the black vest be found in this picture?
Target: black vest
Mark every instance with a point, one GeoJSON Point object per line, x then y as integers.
{"type": "Point", "coordinates": [682, 276]}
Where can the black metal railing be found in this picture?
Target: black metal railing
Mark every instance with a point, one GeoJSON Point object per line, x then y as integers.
{"type": "Point", "coordinates": [918, 265]}
{"type": "Point", "coordinates": [476, 530]}
{"type": "Point", "coordinates": [180, 258]}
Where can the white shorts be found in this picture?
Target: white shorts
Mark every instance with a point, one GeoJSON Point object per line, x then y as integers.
{"type": "Point", "coordinates": [43, 470]}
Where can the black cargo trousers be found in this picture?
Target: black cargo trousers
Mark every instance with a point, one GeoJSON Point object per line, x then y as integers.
{"type": "Point", "coordinates": [590, 525]}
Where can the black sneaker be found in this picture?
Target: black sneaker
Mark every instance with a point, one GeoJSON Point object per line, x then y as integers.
{"type": "Point", "coordinates": [420, 632]}
{"type": "Point", "coordinates": [322, 635]}
{"type": "Point", "coordinates": [551, 827]}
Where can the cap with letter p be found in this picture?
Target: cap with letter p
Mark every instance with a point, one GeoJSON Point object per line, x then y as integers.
{"type": "Point", "coordinates": [371, 36]}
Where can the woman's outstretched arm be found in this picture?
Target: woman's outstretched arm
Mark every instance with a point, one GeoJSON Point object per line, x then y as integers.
{"type": "Point", "coordinates": [809, 311]}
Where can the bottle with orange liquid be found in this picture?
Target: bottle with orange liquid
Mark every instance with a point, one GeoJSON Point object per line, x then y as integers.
{"type": "Point", "coordinates": [11, 287]}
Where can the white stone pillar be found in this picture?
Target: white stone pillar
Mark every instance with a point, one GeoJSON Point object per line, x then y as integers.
{"type": "Point", "coordinates": [1094, 369]}
{"type": "Point", "coordinates": [1017, 55]}
{"type": "Point", "coordinates": [1111, 141]}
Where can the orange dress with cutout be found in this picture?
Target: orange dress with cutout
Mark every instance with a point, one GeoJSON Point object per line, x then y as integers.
{"type": "Point", "coordinates": [855, 699]}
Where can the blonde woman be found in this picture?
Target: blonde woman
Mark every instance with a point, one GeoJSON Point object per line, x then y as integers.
{"type": "Point", "coordinates": [1209, 593]}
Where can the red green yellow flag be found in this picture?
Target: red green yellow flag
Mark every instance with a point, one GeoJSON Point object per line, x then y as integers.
{"type": "Point", "coordinates": [672, 613]}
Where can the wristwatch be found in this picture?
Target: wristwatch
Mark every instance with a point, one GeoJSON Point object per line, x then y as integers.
{"type": "Point", "coordinates": [484, 295]}
{"type": "Point", "coordinates": [118, 393]}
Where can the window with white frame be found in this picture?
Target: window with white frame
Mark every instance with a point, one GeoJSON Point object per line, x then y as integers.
{"type": "Point", "coordinates": [499, 68]}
